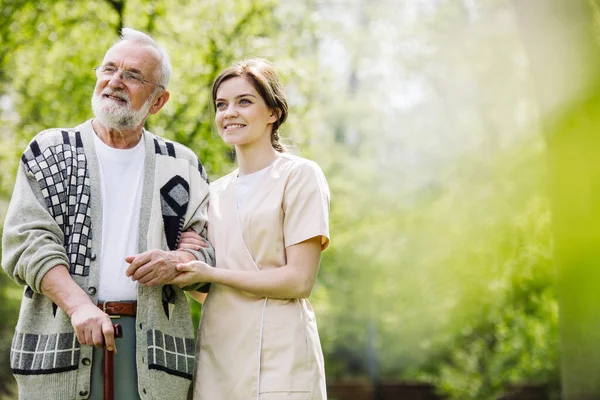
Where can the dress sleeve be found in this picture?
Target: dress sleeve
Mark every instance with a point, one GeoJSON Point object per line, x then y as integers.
{"type": "Point", "coordinates": [306, 205]}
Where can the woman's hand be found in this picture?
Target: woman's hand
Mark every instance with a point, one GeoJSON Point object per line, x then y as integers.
{"type": "Point", "coordinates": [193, 272]}
{"type": "Point", "coordinates": [191, 240]}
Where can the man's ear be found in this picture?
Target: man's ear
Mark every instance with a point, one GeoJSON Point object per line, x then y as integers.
{"type": "Point", "coordinates": [159, 102]}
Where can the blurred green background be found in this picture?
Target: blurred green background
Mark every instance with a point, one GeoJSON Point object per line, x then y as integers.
{"type": "Point", "coordinates": [430, 119]}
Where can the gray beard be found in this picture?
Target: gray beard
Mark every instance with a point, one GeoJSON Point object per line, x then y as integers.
{"type": "Point", "coordinates": [115, 116]}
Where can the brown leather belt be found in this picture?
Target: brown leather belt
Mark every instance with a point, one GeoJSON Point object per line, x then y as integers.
{"type": "Point", "coordinates": [119, 308]}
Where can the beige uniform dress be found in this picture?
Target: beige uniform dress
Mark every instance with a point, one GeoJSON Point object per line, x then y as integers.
{"type": "Point", "coordinates": [251, 347]}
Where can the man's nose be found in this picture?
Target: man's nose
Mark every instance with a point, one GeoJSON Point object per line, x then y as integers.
{"type": "Point", "coordinates": [116, 80]}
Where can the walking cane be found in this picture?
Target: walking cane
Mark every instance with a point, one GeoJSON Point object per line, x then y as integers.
{"type": "Point", "coordinates": [109, 367]}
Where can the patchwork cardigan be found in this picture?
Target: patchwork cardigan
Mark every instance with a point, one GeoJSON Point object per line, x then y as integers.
{"type": "Point", "coordinates": [54, 218]}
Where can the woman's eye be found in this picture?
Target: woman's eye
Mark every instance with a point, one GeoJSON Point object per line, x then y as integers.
{"type": "Point", "coordinates": [245, 101]}
{"type": "Point", "coordinates": [220, 106]}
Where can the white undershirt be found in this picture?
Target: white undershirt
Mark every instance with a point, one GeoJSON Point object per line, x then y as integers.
{"type": "Point", "coordinates": [245, 186]}
{"type": "Point", "coordinates": [121, 177]}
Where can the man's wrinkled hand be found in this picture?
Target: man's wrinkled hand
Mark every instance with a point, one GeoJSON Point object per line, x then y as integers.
{"type": "Point", "coordinates": [93, 326]}
{"type": "Point", "coordinates": [154, 267]}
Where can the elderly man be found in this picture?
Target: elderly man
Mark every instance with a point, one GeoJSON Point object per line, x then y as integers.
{"type": "Point", "coordinates": [92, 232]}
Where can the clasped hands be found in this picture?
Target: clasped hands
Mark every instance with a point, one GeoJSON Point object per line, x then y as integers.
{"type": "Point", "coordinates": [159, 267]}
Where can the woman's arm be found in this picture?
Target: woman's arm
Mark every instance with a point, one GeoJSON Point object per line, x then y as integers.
{"type": "Point", "coordinates": [293, 280]}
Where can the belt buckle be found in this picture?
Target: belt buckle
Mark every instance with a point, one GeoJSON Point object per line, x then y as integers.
{"type": "Point", "coordinates": [110, 316]}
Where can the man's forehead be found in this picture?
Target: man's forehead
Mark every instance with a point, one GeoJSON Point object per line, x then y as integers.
{"type": "Point", "coordinates": [132, 55]}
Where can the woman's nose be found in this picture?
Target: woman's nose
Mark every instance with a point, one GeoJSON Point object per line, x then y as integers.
{"type": "Point", "coordinates": [230, 111]}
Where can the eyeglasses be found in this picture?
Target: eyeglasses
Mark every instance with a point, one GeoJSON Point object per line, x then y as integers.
{"type": "Point", "coordinates": [129, 77]}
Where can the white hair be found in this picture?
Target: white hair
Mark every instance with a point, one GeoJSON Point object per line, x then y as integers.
{"type": "Point", "coordinates": [132, 35]}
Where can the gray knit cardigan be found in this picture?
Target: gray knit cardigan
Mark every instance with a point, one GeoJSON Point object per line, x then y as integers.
{"type": "Point", "coordinates": [54, 218]}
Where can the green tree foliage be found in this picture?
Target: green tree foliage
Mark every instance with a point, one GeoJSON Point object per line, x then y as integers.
{"type": "Point", "coordinates": [440, 221]}
{"type": "Point", "coordinates": [514, 338]}
{"type": "Point", "coordinates": [460, 287]}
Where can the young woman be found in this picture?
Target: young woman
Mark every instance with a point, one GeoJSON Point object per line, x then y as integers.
{"type": "Point", "coordinates": [269, 223]}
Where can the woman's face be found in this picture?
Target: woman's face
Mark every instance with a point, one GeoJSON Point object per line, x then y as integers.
{"type": "Point", "coordinates": [242, 116]}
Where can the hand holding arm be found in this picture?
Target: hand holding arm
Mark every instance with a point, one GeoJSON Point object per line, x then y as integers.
{"type": "Point", "coordinates": [156, 267]}
{"type": "Point", "coordinates": [199, 246]}
{"type": "Point", "coordinates": [293, 280]}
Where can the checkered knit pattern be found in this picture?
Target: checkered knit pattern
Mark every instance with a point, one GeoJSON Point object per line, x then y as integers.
{"type": "Point", "coordinates": [173, 355]}
{"type": "Point", "coordinates": [33, 354]}
{"type": "Point", "coordinates": [62, 174]}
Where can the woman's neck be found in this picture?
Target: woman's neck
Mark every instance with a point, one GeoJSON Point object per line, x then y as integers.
{"type": "Point", "coordinates": [254, 159]}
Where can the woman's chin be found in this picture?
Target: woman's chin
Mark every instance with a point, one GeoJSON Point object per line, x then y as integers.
{"type": "Point", "coordinates": [232, 141]}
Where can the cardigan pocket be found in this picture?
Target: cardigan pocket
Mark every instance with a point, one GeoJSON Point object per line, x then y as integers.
{"type": "Point", "coordinates": [41, 354]}
{"type": "Point", "coordinates": [170, 354]}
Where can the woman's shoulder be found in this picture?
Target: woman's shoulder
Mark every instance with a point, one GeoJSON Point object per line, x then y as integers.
{"type": "Point", "coordinates": [293, 164]}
